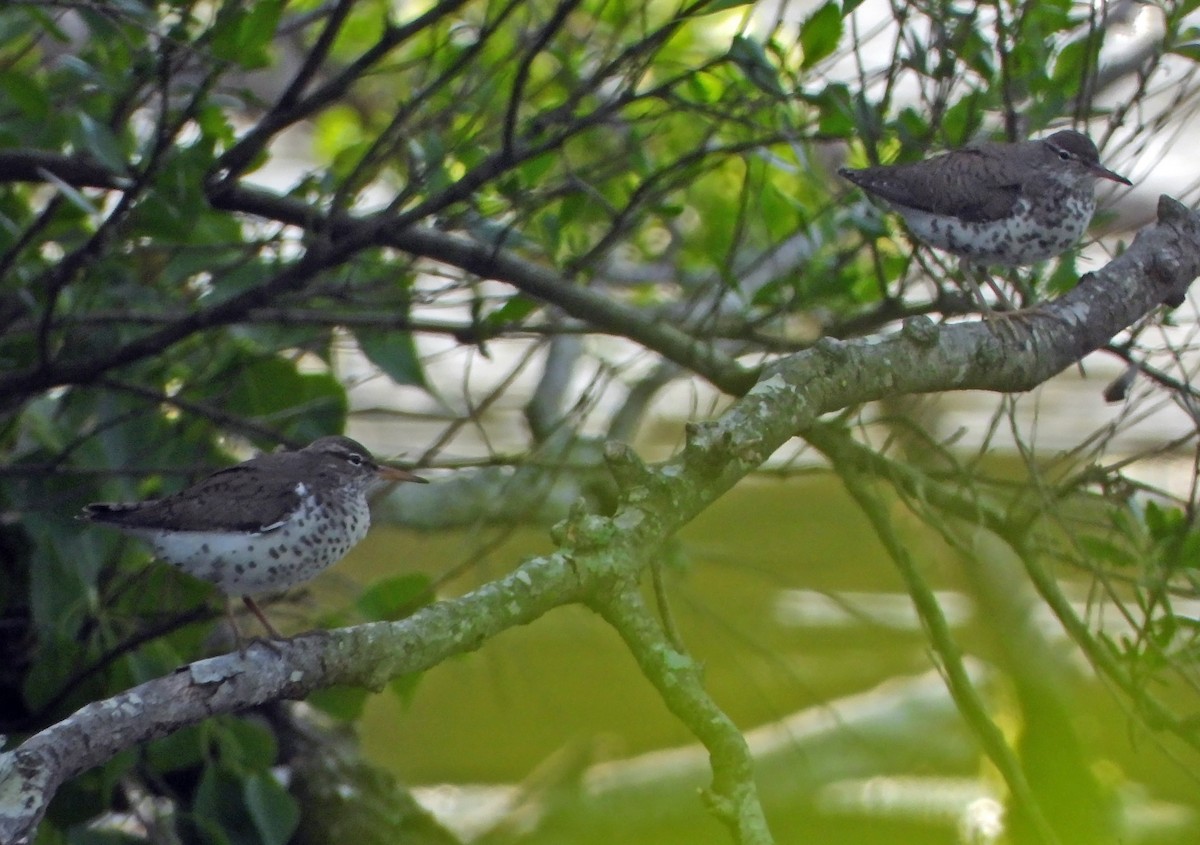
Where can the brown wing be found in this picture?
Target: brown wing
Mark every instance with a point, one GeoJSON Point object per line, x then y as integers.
{"type": "Point", "coordinates": [975, 183]}
{"type": "Point", "coordinates": [235, 499]}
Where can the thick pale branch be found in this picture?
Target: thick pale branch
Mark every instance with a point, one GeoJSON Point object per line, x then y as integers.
{"type": "Point", "coordinates": [364, 656]}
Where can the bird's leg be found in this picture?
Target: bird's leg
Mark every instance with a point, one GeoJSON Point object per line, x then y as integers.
{"type": "Point", "coordinates": [254, 608]}
{"type": "Point", "coordinates": [969, 271]}
{"type": "Point", "coordinates": [233, 626]}
{"type": "Point", "coordinates": [996, 319]}
{"type": "Point", "coordinates": [242, 644]}
{"type": "Point", "coordinates": [237, 631]}
{"type": "Point", "coordinates": [1006, 304]}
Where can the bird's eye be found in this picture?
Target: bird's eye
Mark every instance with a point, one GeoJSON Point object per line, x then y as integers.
{"type": "Point", "coordinates": [355, 459]}
{"type": "Point", "coordinates": [1064, 155]}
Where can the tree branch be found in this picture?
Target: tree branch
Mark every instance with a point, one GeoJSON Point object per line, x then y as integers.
{"type": "Point", "coordinates": [733, 797]}
{"type": "Point", "coordinates": [597, 553]}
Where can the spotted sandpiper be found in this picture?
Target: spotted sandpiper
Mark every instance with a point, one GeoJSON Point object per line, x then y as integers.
{"type": "Point", "coordinates": [996, 204]}
{"type": "Point", "coordinates": [263, 525]}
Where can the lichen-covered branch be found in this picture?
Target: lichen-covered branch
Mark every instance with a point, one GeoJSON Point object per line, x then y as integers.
{"type": "Point", "coordinates": [600, 556]}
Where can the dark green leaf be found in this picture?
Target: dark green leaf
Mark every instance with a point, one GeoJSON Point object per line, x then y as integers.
{"type": "Point", "coordinates": [258, 30]}
{"type": "Point", "coordinates": [274, 811]}
{"type": "Point", "coordinates": [749, 55]}
{"type": "Point", "coordinates": [94, 139]}
{"type": "Point", "coordinates": [1073, 64]}
{"type": "Point", "coordinates": [1065, 276]}
{"type": "Point", "coordinates": [22, 91]}
{"type": "Point", "coordinates": [1190, 50]}
{"type": "Point", "coordinates": [962, 120]}
{"type": "Point", "coordinates": [246, 745]}
{"type": "Point", "coordinates": [219, 808]}
{"type": "Point", "coordinates": [79, 835]}
{"type": "Point", "coordinates": [180, 750]}
{"type": "Point", "coordinates": [269, 389]}
{"type": "Point", "coordinates": [512, 312]}
{"type": "Point", "coordinates": [1164, 523]}
{"type": "Point", "coordinates": [836, 111]}
{"type": "Point", "coordinates": [1102, 551]}
{"type": "Point", "coordinates": [244, 35]}
{"type": "Point", "coordinates": [72, 194]}
{"type": "Point", "coordinates": [1189, 551]}
{"type": "Point", "coordinates": [724, 6]}
{"type": "Point", "coordinates": [395, 353]}
{"type": "Point", "coordinates": [820, 34]}
{"type": "Point", "coordinates": [57, 658]}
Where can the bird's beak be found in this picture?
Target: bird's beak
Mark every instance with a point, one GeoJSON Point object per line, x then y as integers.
{"type": "Point", "coordinates": [1104, 173]}
{"type": "Point", "coordinates": [396, 474]}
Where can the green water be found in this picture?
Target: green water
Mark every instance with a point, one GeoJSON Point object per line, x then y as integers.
{"type": "Point", "coordinates": [563, 692]}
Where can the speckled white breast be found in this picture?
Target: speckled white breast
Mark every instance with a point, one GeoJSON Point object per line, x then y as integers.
{"type": "Point", "coordinates": [315, 536]}
{"type": "Point", "coordinates": [1030, 236]}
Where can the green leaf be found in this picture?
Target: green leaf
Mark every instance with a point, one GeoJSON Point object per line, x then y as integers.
{"type": "Point", "coordinates": [1163, 523]}
{"type": "Point", "coordinates": [1103, 551]}
{"type": "Point", "coordinates": [72, 194]}
{"type": "Point", "coordinates": [513, 311]}
{"type": "Point", "coordinates": [395, 353]}
{"type": "Point", "coordinates": [820, 34]}
{"type": "Point", "coordinates": [1190, 50]}
{"type": "Point", "coordinates": [258, 28]}
{"type": "Point", "coordinates": [836, 111]}
{"type": "Point", "coordinates": [79, 835]}
{"type": "Point", "coordinates": [94, 139]}
{"type": "Point", "coordinates": [1189, 551]}
{"type": "Point", "coordinates": [1073, 64]}
{"type": "Point", "coordinates": [57, 657]}
{"type": "Point", "coordinates": [275, 812]}
{"type": "Point", "coordinates": [750, 55]}
{"type": "Point", "coordinates": [245, 35]}
{"type": "Point", "coordinates": [723, 6]}
{"type": "Point", "coordinates": [405, 686]}
{"type": "Point", "coordinates": [533, 172]}
{"type": "Point", "coordinates": [180, 750]}
{"type": "Point", "coordinates": [962, 119]}
{"type": "Point", "coordinates": [1064, 276]}
{"type": "Point", "coordinates": [64, 569]}
{"type": "Point", "coordinates": [246, 745]}
{"type": "Point", "coordinates": [23, 92]}
{"type": "Point", "coordinates": [219, 809]}
{"type": "Point", "coordinates": [269, 388]}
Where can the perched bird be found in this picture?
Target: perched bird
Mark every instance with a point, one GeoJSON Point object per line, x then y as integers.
{"type": "Point", "coordinates": [996, 204]}
{"type": "Point", "coordinates": [263, 525]}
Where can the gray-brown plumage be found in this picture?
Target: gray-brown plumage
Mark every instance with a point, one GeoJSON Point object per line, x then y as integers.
{"type": "Point", "coordinates": [263, 525]}
{"type": "Point", "coordinates": [1007, 204]}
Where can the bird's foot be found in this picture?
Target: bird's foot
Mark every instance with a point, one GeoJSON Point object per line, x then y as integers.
{"type": "Point", "coordinates": [1011, 325]}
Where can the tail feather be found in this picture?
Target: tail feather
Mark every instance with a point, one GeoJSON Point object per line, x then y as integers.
{"type": "Point", "coordinates": [108, 511]}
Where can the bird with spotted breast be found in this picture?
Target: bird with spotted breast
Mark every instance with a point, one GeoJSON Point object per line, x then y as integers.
{"type": "Point", "coordinates": [263, 525]}
{"type": "Point", "coordinates": [995, 203]}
